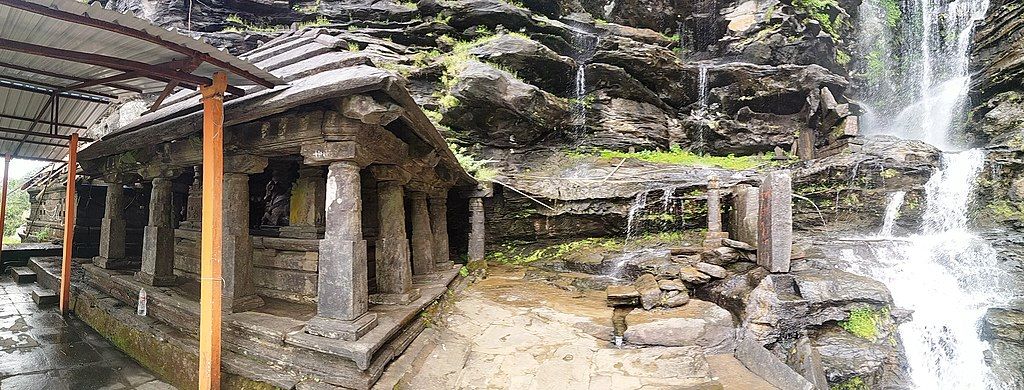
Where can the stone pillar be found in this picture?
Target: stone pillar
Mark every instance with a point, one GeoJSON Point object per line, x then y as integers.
{"type": "Point", "coordinates": [775, 222]}
{"type": "Point", "coordinates": [342, 285]}
{"type": "Point", "coordinates": [236, 244]}
{"type": "Point", "coordinates": [714, 202]}
{"type": "Point", "coordinates": [422, 236]}
{"type": "Point", "coordinates": [439, 226]}
{"type": "Point", "coordinates": [476, 233]}
{"type": "Point", "coordinates": [158, 242]}
{"type": "Point", "coordinates": [306, 217]}
{"type": "Point", "coordinates": [394, 269]}
{"type": "Point", "coordinates": [745, 200]}
{"type": "Point", "coordinates": [112, 228]}
{"type": "Point", "coordinates": [194, 205]}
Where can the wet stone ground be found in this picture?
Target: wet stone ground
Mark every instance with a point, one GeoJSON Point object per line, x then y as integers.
{"type": "Point", "coordinates": [40, 349]}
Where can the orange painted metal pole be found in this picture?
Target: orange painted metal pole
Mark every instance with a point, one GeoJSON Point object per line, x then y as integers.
{"type": "Point", "coordinates": [210, 254]}
{"type": "Point", "coordinates": [3, 198]}
{"type": "Point", "coordinates": [69, 226]}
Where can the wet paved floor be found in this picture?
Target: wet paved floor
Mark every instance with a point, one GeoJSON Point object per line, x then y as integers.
{"type": "Point", "coordinates": [39, 349]}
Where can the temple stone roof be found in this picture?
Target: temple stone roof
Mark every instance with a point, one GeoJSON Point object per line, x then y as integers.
{"type": "Point", "coordinates": [317, 65]}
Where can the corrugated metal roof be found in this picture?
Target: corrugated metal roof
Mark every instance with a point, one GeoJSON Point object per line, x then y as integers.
{"type": "Point", "coordinates": [50, 45]}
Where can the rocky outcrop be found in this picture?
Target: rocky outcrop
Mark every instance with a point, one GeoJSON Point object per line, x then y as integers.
{"type": "Point", "coordinates": [1003, 328]}
{"type": "Point", "coordinates": [998, 60]}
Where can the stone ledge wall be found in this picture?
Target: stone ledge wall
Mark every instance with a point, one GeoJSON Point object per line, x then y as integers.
{"type": "Point", "coordinates": [283, 268]}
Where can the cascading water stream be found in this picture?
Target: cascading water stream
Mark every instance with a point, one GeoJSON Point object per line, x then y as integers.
{"type": "Point", "coordinates": [586, 45]}
{"type": "Point", "coordinates": [916, 64]}
{"type": "Point", "coordinates": [892, 212]}
{"type": "Point", "coordinates": [947, 275]}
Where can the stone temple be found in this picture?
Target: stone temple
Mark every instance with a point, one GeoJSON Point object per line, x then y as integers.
{"type": "Point", "coordinates": [343, 210]}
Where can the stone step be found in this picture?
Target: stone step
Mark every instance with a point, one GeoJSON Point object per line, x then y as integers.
{"type": "Point", "coordinates": [22, 275]}
{"type": "Point", "coordinates": [44, 297]}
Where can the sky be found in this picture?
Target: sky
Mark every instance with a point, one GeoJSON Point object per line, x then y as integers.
{"type": "Point", "coordinates": [22, 168]}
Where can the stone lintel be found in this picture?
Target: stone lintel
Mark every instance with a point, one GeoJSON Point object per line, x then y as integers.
{"type": "Point", "coordinates": [244, 163]}
{"type": "Point", "coordinates": [150, 172]}
{"type": "Point", "coordinates": [390, 173]}
{"type": "Point", "coordinates": [328, 152]}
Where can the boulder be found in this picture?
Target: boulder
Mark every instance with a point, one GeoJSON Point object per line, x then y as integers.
{"type": "Point", "coordinates": [693, 276]}
{"type": "Point", "coordinates": [647, 287]}
{"type": "Point", "coordinates": [499, 110]}
{"type": "Point", "coordinates": [720, 256]}
{"type": "Point", "coordinates": [763, 363]}
{"type": "Point", "coordinates": [712, 270]}
{"type": "Point", "coordinates": [531, 62]}
{"type": "Point", "coordinates": [675, 298]}
{"type": "Point", "coordinates": [845, 355]}
{"type": "Point", "coordinates": [622, 296]}
{"type": "Point", "coordinates": [620, 124]}
{"type": "Point", "coordinates": [467, 14]}
{"type": "Point", "coordinates": [698, 323]}
{"type": "Point", "coordinates": [656, 67]}
{"type": "Point", "coordinates": [671, 285]}
{"type": "Point", "coordinates": [739, 245]}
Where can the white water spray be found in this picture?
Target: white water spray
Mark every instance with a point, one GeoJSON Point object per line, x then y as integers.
{"type": "Point", "coordinates": [947, 275]}
{"type": "Point", "coordinates": [892, 212]}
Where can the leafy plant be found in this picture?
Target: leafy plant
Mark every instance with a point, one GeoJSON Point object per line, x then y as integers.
{"type": "Point", "coordinates": [863, 323]}
{"type": "Point", "coordinates": [475, 167]}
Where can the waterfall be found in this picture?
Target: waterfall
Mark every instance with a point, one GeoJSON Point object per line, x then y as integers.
{"type": "Point", "coordinates": [586, 44]}
{"type": "Point", "coordinates": [916, 63]}
{"type": "Point", "coordinates": [892, 212]}
{"type": "Point", "coordinates": [947, 275]}
{"type": "Point", "coordinates": [702, 88]}
{"type": "Point", "coordinates": [638, 206]}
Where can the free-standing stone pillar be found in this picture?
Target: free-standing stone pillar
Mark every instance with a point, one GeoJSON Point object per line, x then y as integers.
{"type": "Point", "coordinates": [194, 205]}
{"type": "Point", "coordinates": [714, 203]}
{"type": "Point", "coordinates": [236, 244]}
{"type": "Point", "coordinates": [112, 228]}
{"type": "Point", "coordinates": [158, 241]}
{"type": "Point", "coordinates": [744, 213]}
{"type": "Point", "coordinates": [342, 289]}
{"type": "Point", "coordinates": [439, 226]}
{"type": "Point", "coordinates": [394, 269]}
{"type": "Point", "coordinates": [775, 222]}
{"type": "Point", "coordinates": [422, 235]}
{"type": "Point", "coordinates": [306, 217]}
{"type": "Point", "coordinates": [476, 232]}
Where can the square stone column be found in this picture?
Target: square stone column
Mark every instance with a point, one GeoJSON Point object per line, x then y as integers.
{"type": "Point", "coordinates": [476, 232]}
{"type": "Point", "coordinates": [236, 244]}
{"type": "Point", "coordinates": [394, 269]}
{"type": "Point", "coordinates": [422, 235]}
{"type": "Point", "coordinates": [439, 226]}
{"type": "Point", "coordinates": [306, 217]}
{"type": "Point", "coordinates": [158, 242]}
{"type": "Point", "coordinates": [775, 222]}
{"type": "Point", "coordinates": [112, 229]}
{"type": "Point", "coordinates": [342, 284]}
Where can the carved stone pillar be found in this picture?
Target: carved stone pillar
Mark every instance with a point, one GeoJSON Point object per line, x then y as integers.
{"type": "Point", "coordinates": [158, 241]}
{"type": "Point", "coordinates": [236, 244]}
{"type": "Point", "coordinates": [439, 226]}
{"type": "Point", "coordinates": [394, 269]}
{"type": "Point", "coordinates": [112, 228]}
{"type": "Point", "coordinates": [306, 217]}
{"type": "Point", "coordinates": [476, 232]}
{"type": "Point", "coordinates": [342, 284]}
{"type": "Point", "coordinates": [194, 205]}
{"type": "Point", "coordinates": [422, 236]}
{"type": "Point", "coordinates": [714, 203]}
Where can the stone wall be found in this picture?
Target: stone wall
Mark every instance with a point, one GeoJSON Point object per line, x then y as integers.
{"type": "Point", "coordinates": [285, 268]}
{"type": "Point", "coordinates": [46, 218]}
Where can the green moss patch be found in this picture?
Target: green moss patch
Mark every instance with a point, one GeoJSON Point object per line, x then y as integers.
{"type": "Point", "coordinates": [677, 155]}
{"type": "Point", "coordinates": [854, 383]}
{"type": "Point", "coordinates": [513, 254]}
{"type": "Point", "coordinates": [863, 323]}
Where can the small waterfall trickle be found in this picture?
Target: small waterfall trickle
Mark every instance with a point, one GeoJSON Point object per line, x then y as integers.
{"type": "Point", "coordinates": [638, 206]}
{"type": "Point", "coordinates": [947, 275]}
{"type": "Point", "coordinates": [586, 45]}
{"type": "Point", "coordinates": [892, 212]}
{"type": "Point", "coordinates": [702, 110]}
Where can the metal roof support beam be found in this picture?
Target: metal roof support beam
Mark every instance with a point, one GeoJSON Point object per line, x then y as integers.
{"type": "Point", "coordinates": [211, 280]}
{"type": "Point", "coordinates": [40, 143]}
{"type": "Point", "coordinates": [103, 81]}
{"type": "Point", "coordinates": [64, 76]}
{"type": "Point", "coordinates": [42, 135]}
{"type": "Point", "coordinates": [69, 227]}
{"type": "Point", "coordinates": [20, 118]}
{"type": "Point", "coordinates": [108, 62]}
{"type": "Point", "coordinates": [116, 28]}
{"type": "Point", "coordinates": [3, 198]}
{"type": "Point", "coordinates": [14, 83]}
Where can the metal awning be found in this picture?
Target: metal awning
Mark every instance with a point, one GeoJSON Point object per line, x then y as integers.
{"type": "Point", "coordinates": [63, 62]}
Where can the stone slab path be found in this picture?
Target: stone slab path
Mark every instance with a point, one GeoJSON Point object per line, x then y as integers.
{"type": "Point", "coordinates": [40, 349]}
{"type": "Point", "coordinates": [506, 332]}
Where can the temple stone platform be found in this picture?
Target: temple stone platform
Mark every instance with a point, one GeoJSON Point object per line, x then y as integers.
{"type": "Point", "coordinates": [265, 346]}
{"type": "Point", "coordinates": [17, 255]}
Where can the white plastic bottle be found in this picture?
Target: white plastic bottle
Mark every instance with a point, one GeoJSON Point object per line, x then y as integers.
{"type": "Point", "coordinates": [141, 310]}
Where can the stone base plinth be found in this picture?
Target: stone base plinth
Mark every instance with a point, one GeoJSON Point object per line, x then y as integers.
{"type": "Point", "coordinates": [300, 231]}
{"type": "Point", "coordinates": [246, 303]}
{"type": "Point", "coordinates": [444, 265]}
{"type": "Point", "coordinates": [348, 330]}
{"type": "Point", "coordinates": [395, 299]}
{"type": "Point", "coordinates": [156, 281]}
{"type": "Point", "coordinates": [106, 263]}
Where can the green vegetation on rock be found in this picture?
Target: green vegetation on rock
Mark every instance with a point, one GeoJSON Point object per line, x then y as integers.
{"type": "Point", "coordinates": [242, 25]}
{"type": "Point", "coordinates": [475, 167]}
{"type": "Point", "coordinates": [854, 383]}
{"type": "Point", "coordinates": [818, 10]}
{"type": "Point", "coordinates": [676, 155]}
{"type": "Point", "coordinates": [513, 254]}
{"type": "Point", "coordinates": [863, 323]}
{"type": "Point", "coordinates": [1004, 210]}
